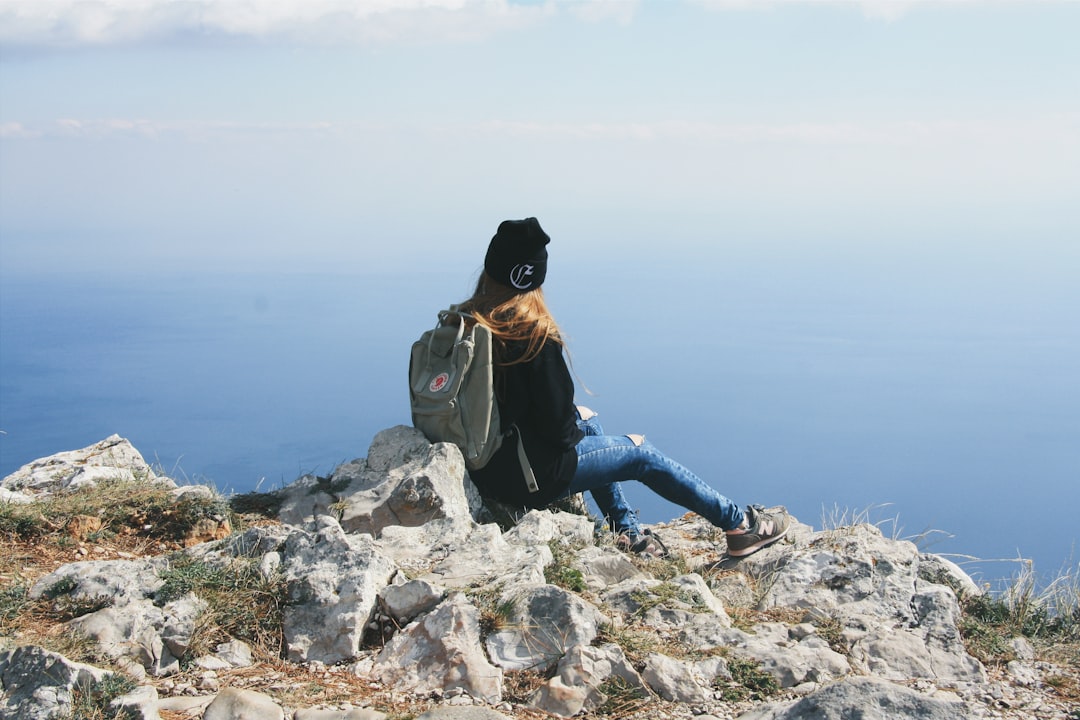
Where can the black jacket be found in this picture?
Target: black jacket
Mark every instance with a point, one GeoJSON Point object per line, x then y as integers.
{"type": "Point", "coordinates": [538, 397]}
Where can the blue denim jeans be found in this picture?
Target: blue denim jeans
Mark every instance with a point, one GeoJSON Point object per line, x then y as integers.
{"type": "Point", "coordinates": [606, 460]}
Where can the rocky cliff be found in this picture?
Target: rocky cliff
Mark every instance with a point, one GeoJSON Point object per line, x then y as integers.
{"type": "Point", "coordinates": [390, 589]}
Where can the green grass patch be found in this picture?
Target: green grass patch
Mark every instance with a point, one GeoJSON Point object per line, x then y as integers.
{"type": "Point", "coordinates": [666, 594]}
{"type": "Point", "coordinates": [19, 521]}
{"type": "Point", "coordinates": [622, 698]}
{"type": "Point", "coordinates": [519, 685]}
{"type": "Point", "coordinates": [561, 572]}
{"type": "Point", "coordinates": [831, 630]}
{"type": "Point", "coordinates": [58, 603]}
{"type": "Point", "coordinates": [749, 681]}
{"type": "Point", "coordinates": [123, 506]}
{"type": "Point", "coordinates": [266, 505]}
{"type": "Point", "coordinates": [495, 610]}
{"type": "Point", "coordinates": [63, 586]}
{"type": "Point", "coordinates": [1049, 616]}
{"type": "Point", "coordinates": [14, 600]}
{"type": "Point", "coordinates": [92, 702]}
{"type": "Point", "coordinates": [241, 603]}
{"type": "Point", "coordinates": [568, 578]}
{"type": "Point", "coordinates": [637, 643]}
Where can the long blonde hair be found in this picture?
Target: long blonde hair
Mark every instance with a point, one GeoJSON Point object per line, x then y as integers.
{"type": "Point", "coordinates": [513, 316]}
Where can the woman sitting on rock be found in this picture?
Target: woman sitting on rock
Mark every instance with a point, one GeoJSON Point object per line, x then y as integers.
{"type": "Point", "coordinates": [565, 444]}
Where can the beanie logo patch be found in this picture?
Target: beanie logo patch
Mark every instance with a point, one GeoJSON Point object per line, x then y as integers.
{"type": "Point", "coordinates": [519, 276]}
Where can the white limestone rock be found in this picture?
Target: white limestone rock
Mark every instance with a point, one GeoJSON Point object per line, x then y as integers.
{"type": "Point", "coordinates": [854, 568]}
{"type": "Point", "coordinates": [13, 497]}
{"type": "Point", "coordinates": [304, 499]}
{"type": "Point", "coordinates": [134, 631]}
{"type": "Point", "coordinates": [38, 684]}
{"type": "Point", "coordinates": [462, 713]}
{"type": "Point", "coordinates": [233, 654]}
{"type": "Point", "coordinates": [791, 659]}
{"type": "Point", "coordinates": [899, 624]}
{"type": "Point", "coordinates": [441, 652]}
{"type": "Point", "coordinates": [410, 513]}
{"type": "Point", "coordinates": [406, 601]}
{"type": "Point", "coordinates": [456, 555]}
{"type": "Point", "coordinates": [404, 480]}
{"type": "Point", "coordinates": [576, 684]}
{"type": "Point", "coordinates": [546, 622]}
{"type": "Point", "coordinates": [131, 625]}
{"type": "Point", "coordinates": [237, 704]}
{"type": "Point", "coordinates": [683, 681]}
{"type": "Point", "coordinates": [113, 458]}
{"type": "Point", "coordinates": [344, 714]}
{"type": "Point", "coordinates": [931, 647]}
{"type": "Point", "coordinates": [333, 581]}
{"type": "Point", "coordinates": [120, 581]}
{"type": "Point", "coordinates": [668, 605]}
{"type": "Point", "coordinates": [539, 527]}
{"type": "Point", "coordinates": [942, 571]}
{"type": "Point", "coordinates": [867, 699]}
{"type": "Point", "coordinates": [604, 567]}
{"type": "Point", "coordinates": [139, 704]}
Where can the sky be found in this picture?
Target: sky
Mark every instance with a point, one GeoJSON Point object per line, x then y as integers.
{"type": "Point", "coordinates": [324, 135]}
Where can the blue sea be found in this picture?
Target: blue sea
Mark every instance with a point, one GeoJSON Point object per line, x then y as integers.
{"type": "Point", "coordinates": [940, 401]}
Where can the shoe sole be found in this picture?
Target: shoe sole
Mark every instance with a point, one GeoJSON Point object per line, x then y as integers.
{"type": "Point", "coordinates": [751, 549]}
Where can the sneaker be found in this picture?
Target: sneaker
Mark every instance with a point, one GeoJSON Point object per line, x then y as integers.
{"type": "Point", "coordinates": [762, 529]}
{"type": "Point", "coordinates": [647, 544]}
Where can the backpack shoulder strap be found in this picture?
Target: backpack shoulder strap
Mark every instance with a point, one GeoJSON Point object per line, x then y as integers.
{"type": "Point", "coordinates": [526, 466]}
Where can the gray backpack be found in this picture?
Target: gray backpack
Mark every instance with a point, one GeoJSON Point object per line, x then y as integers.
{"type": "Point", "coordinates": [452, 391]}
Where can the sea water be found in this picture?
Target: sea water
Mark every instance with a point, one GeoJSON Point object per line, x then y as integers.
{"type": "Point", "coordinates": [946, 412]}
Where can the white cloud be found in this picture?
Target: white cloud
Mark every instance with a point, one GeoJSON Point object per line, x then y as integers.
{"type": "Point", "coordinates": [621, 11]}
{"type": "Point", "coordinates": [888, 10]}
{"type": "Point", "coordinates": [73, 23]}
{"type": "Point", "coordinates": [140, 128]}
{"type": "Point", "coordinates": [1060, 129]}
{"type": "Point", "coordinates": [11, 130]}
{"type": "Point", "coordinates": [64, 23]}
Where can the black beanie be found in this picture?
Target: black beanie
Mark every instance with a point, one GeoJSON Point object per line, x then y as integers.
{"type": "Point", "coordinates": [517, 256]}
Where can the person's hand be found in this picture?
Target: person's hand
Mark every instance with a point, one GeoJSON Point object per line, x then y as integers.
{"type": "Point", "coordinates": [585, 413]}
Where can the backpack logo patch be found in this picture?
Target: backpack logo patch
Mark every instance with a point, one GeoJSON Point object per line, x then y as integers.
{"type": "Point", "coordinates": [439, 382]}
{"type": "Point", "coordinates": [519, 276]}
